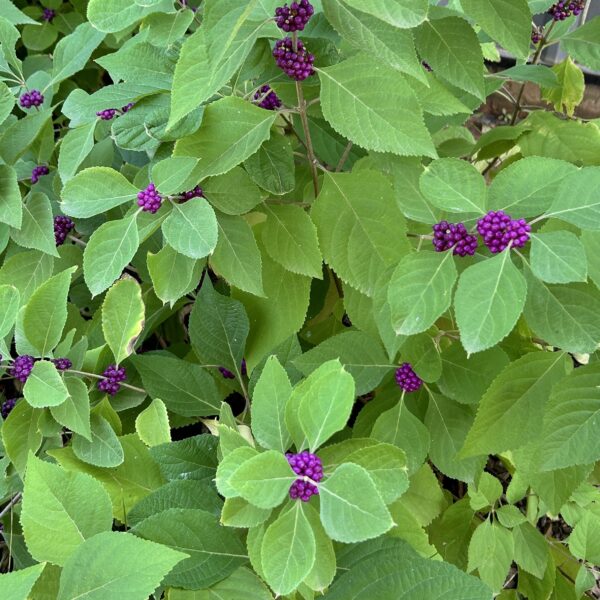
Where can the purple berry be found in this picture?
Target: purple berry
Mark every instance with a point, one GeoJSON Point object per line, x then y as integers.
{"type": "Point", "coordinates": [426, 66]}
{"type": "Point", "coordinates": [227, 374]}
{"type": "Point", "coordinates": [113, 376]}
{"type": "Point", "coordinates": [107, 114]}
{"type": "Point", "coordinates": [22, 367]}
{"type": "Point", "coordinates": [62, 364]}
{"type": "Point", "coordinates": [498, 230]}
{"type": "Point", "coordinates": [268, 98]}
{"type": "Point", "coordinates": [48, 15]}
{"type": "Point", "coordinates": [32, 98]}
{"type": "Point", "coordinates": [62, 226]}
{"type": "Point", "coordinates": [7, 406]}
{"type": "Point", "coordinates": [297, 65]}
{"type": "Point", "coordinates": [38, 172]}
{"type": "Point", "coordinates": [244, 369]}
{"type": "Point", "coordinates": [536, 35]}
{"type": "Point", "coordinates": [305, 464]}
{"type": "Point", "coordinates": [564, 9]}
{"type": "Point", "coordinates": [453, 235]}
{"type": "Point", "coordinates": [407, 379]}
{"type": "Point", "coordinates": [195, 193]}
{"type": "Point", "coordinates": [149, 199]}
{"type": "Point", "coordinates": [295, 17]}
{"type": "Point", "coordinates": [127, 107]}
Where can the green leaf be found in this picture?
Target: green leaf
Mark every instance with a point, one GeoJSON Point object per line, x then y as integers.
{"type": "Point", "coordinates": [558, 257]}
{"type": "Point", "coordinates": [190, 458]}
{"type": "Point", "coordinates": [20, 134]}
{"type": "Point", "coordinates": [375, 107]}
{"type": "Point", "coordinates": [7, 102]}
{"type": "Point", "coordinates": [452, 49]}
{"type": "Point", "coordinates": [454, 185]}
{"type": "Point", "coordinates": [575, 201]}
{"type": "Point", "coordinates": [26, 271]}
{"type": "Point", "coordinates": [45, 314]}
{"type": "Point", "coordinates": [271, 393]}
{"type": "Point", "coordinates": [11, 208]}
{"type": "Point", "coordinates": [239, 513]}
{"type": "Point", "coordinates": [123, 317]}
{"type": "Point", "coordinates": [360, 354]}
{"type": "Point", "coordinates": [17, 584]}
{"type": "Point", "coordinates": [191, 228]}
{"type": "Point", "coordinates": [491, 553]}
{"type": "Point", "coordinates": [186, 388]}
{"type": "Point", "coordinates": [152, 424]}
{"type": "Point", "coordinates": [351, 507]}
{"type": "Point", "coordinates": [399, 13]}
{"type": "Point", "coordinates": [95, 190]}
{"type": "Point", "coordinates": [233, 193]}
{"type": "Point", "coordinates": [582, 44]}
{"type": "Point", "coordinates": [568, 436]}
{"type": "Point", "coordinates": [170, 174]}
{"type": "Point", "coordinates": [125, 567]}
{"type": "Point", "coordinates": [591, 243]}
{"type": "Point", "coordinates": [564, 315]}
{"type": "Point", "coordinates": [173, 274]}
{"type": "Point", "coordinates": [104, 449]}
{"type": "Point", "coordinates": [568, 94]}
{"type": "Point", "coordinates": [369, 33]}
{"type": "Point", "coordinates": [486, 493]}
{"type": "Point", "coordinates": [74, 412]}
{"type": "Point", "coordinates": [522, 188]}
{"type": "Point", "coordinates": [516, 396]}
{"type": "Point", "coordinates": [488, 301]}
{"type": "Point", "coordinates": [263, 480]}
{"type": "Point", "coordinates": [111, 16]}
{"type": "Point", "coordinates": [20, 434]}
{"type": "Point", "coordinates": [583, 541]}
{"type": "Point", "coordinates": [236, 256]}
{"type": "Point", "coordinates": [218, 329]}
{"type": "Point", "coordinates": [214, 551]}
{"type": "Point", "coordinates": [37, 227]}
{"type": "Point", "coordinates": [109, 250]}
{"type": "Point", "coordinates": [73, 51]}
{"type": "Point", "coordinates": [361, 230]}
{"type": "Point", "coordinates": [228, 466]}
{"type": "Point", "coordinates": [232, 130]}
{"type": "Point", "coordinates": [290, 238]}
{"type": "Point", "coordinates": [510, 516]}
{"type": "Point", "coordinates": [272, 167]}
{"type": "Point", "coordinates": [420, 290]}
{"type": "Point", "coordinates": [9, 306]}
{"type": "Point", "coordinates": [288, 550]}
{"type": "Point", "coordinates": [507, 22]}
{"type": "Point", "coordinates": [531, 549]}
{"type": "Point", "coordinates": [74, 149]}
{"type": "Point", "coordinates": [540, 74]}
{"type": "Point", "coordinates": [44, 386]}
{"type": "Point", "coordinates": [61, 510]}
{"type": "Point", "coordinates": [324, 567]}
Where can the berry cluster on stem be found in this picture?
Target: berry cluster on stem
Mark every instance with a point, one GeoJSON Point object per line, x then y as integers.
{"type": "Point", "coordinates": [296, 63]}
{"type": "Point", "coordinates": [266, 98]}
{"type": "Point", "coordinates": [498, 230]}
{"type": "Point", "coordinates": [113, 376]}
{"type": "Point", "coordinates": [227, 374]}
{"type": "Point", "coordinates": [564, 9]}
{"type": "Point", "coordinates": [149, 199]}
{"type": "Point", "coordinates": [407, 379]}
{"type": "Point", "coordinates": [453, 235]}
{"type": "Point", "coordinates": [109, 113]}
{"type": "Point", "coordinates": [48, 15]}
{"type": "Point", "coordinates": [62, 364]}
{"type": "Point", "coordinates": [195, 193]}
{"type": "Point", "coordinates": [62, 227]}
{"type": "Point", "coordinates": [7, 406]}
{"type": "Point", "coordinates": [295, 16]}
{"type": "Point", "coordinates": [22, 367]}
{"type": "Point", "coordinates": [33, 98]}
{"type": "Point", "coordinates": [38, 172]}
{"type": "Point", "coordinates": [305, 465]}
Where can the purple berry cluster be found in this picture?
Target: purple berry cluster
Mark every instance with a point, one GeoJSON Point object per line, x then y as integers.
{"type": "Point", "coordinates": [32, 98]}
{"type": "Point", "coordinates": [498, 230]}
{"type": "Point", "coordinates": [22, 367]}
{"type": "Point", "coordinates": [107, 114]}
{"type": "Point", "coordinates": [113, 376]}
{"type": "Point", "coordinates": [7, 406]}
{"type": "Point", "coordinates": [38, 172]}
{"type": "Point", "coordinates": [297, 64]}
{"type": "Point", "coordinates": [62, 364]}
{"type": "Point", "coordinates": [149, 199]}
{"type": "Point", "coordinates": [305, 464]}
{"type": "Point", "coordinates": [536, 35]}
{"type": "Point", "coordinates": [195, 193]}
{"type": "Point", "coordinates": [407, 379]}
{"type": "Point", "coordinates": [227, 374]}
{"type": "Point", "coordinates": [295, 16]}
{"type": "Point", "coordinates": [48, 15]}
{"type": "Point", "coordinates": [564, 9]}
{"type": "Point", "coordinates": [268, 98]}
{"type": "Point", "coordinates": [62, 227]}
{"type": "Point", "coordinates": [453, 235]}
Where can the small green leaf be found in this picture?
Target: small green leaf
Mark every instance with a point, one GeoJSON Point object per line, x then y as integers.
{"type": "Point", "coordinates": [568, 94]}
{"type": "Point", "coordinates": [17, 585]}
{"type": "Point", "coordinates": [170, 174]}
{"type": "Point", "coordinates": [44, 386]}
{"type": "Point", "coordinates": [531, 549]}
{"type": "Point", "coordinates": [152, 424]}
{"type": "Point", "coordinates": [582, 44]}
{"type": "Point", "coordinates": [74, 412]}
{"type": "Point", "coordinates": [584, 540]}
{"type": "Point", "coordinates": [272, 167]}
{"type": "Point", "coordinates": [11, 210]}
{"type": "Point", "coordinates": [173, 274]}
{"type": "Point", "coordinates": [123, 317]}
{"type": "Point", "coordinates": [486, 493]}
{"type": "Point", "coordinates": [20, 434]}
{"type": "Point", "coordinates": [104, 449]}
{"type": "Point", "coordinates": [9, 306]}
{"type": "Point", "coordinates": [74, 149]}
{"type": "Point", "coordinates": [37, 227]}
{"type": "Point", "coordinates": [491, 552]}
{"type": "Point", "coordinates": [233, 193]}
{"type": "Point", "coordinates": [558, 257]}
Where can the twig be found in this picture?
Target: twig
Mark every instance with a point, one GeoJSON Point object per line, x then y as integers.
{"type": "Point", "coordinates": [344, 157]}
{"type": "Point", "coordinates": [16, 498]}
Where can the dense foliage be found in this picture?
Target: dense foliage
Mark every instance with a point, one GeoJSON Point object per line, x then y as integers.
{"type": "Point", "coordinates": [280, 317]}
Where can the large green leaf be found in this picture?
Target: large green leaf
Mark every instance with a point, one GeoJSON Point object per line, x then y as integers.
{"type": "Point", "coordinates": [583, 44]}
{"type": "Point", "coordinates": [399, 13]}
{"type": "Point", "coordinates": [489, 299]}
{"type": "Point", "coordinates": [104, 449]}
{"type": "Point", "coordinates": [26, 271]}
{"type": "Point", "coordinates": [375, 107]}
{"type": "Point", "coordinates": [61, 510]}
{"type": "Point", "coordinates": [17, 584]}
{"type": "Point", "coordinates": [95, 190]}
{"type": "Point", "coordinates": [115, 15]}
{"type": "Point", "coordinates": [361, 230]}
{"type": "Point", "coordinates": [74, 412]}
{"type": "Point", "coordinates": [123, 317]}
{"type": "Point", "coordinates": [231, 131]}
{"type": "Point", "coordinates": [44, 386]}
{"type": "Point", "coordinates": [152, 424]}
{"type": "Point", "coordinates": [288, 550]}
{"type": "Point", "coordinates": [125, 567]}
{"type": "Point", "coordinates": [558, 257]}
{"type": "Point", "coordinates": [214, 551]}
{"type": "Point", "coordinates": [420, 290]}
{"type": "Point", "coordinates": [45, 314]}
{"type": "Point", "coordinates": [569, 434]}
{"type": "Point", "coordinates": [20, 434]}
{"type": "Point", "coordinates": [515, 399]}
{"type": "Point", "coordinates": [452, 49]}
{"type": "Point", "coordinates": [108, 252]}
{"type": "Point", "coordinates": [507, 21]}
{"type": "Point", "coordinates": [273, 167]}
{"type": "Point", "coordinates": [233, 193]}
{"type": "Point", "coordinates": [37, 228]}
{"type": "Point", "coordinates": [173, 274]}
{"type": "Point", "coordinates": [584, 540]}
{"type": "Point", "coordinates": [352, 509]}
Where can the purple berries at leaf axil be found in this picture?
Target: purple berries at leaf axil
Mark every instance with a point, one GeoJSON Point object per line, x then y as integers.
{"type": "Point", "coordinates": [7, 406]}
{"type": "Point", "coordinates": [295, 16]}
{"type": "Point", "coordinates": [149, 199]}
{"type": "Point", "coordinates": [38, 172]}
{"type": "Point", "coordinates": [267, 98]}
{"type": "Point", "coordinates": [305, 465]}
{"type": "Point", "coordinates": [33, 98]}
{"type": "Point", "coordinates": [499, 231]}
{"type": "Point", "coordinates": [62, 227]}
{"type": "Point", "coordinates": [22, 367]}
{"type": "Point", "coordinates": [297, 64]}
{"type": "Point", "coordinates": [113, 376]}
{"type": "Point", "coordinates": [407, 379]}
{"type": "Point", "coordinates": [453, 236]}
